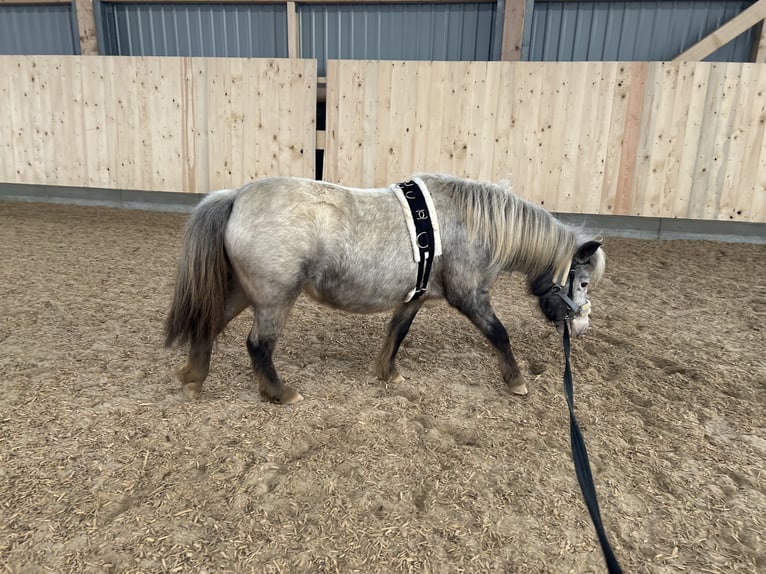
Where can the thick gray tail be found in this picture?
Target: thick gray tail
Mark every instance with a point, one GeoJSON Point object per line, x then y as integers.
{"type": "Point", "coordinates": [198, 312]}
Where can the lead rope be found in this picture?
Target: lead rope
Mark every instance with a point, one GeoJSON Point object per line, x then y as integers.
{"type": "Point", "coordinates": [582, 464]}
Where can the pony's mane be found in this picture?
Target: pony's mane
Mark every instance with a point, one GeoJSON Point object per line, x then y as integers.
{"type": "Point", "coordinates": [518, 234]}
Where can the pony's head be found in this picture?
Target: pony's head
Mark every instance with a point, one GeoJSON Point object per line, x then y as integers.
{"type": "Point", "coordinates": [568, 302]}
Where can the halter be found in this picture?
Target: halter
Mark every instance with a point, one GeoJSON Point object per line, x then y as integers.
{"type": "Point", "coordinates": [573, 309]}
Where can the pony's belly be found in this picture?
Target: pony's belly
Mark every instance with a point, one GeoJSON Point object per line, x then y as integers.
{"type": "Point", "coordinates": [355, 299]}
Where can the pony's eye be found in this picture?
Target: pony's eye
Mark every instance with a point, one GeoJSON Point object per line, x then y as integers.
{"type": "Point", "coordinates": [584, 284]}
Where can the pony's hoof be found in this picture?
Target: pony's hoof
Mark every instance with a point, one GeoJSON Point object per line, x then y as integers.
{"type": "Point", "coordinates": [396, 379]}
{"type": "Point", "coordinates": [519, 389]}
{"type": "Point", "coordinates": [291, 397]}
{"type": "Point", "coordinates": [192, 390]}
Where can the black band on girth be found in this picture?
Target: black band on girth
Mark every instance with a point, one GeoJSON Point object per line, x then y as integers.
{"type": "Point", "coordinates": [424, 232]}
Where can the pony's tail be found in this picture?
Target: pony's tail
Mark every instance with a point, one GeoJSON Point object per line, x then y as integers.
{"type": "Point", "coordinates": [198, 311]}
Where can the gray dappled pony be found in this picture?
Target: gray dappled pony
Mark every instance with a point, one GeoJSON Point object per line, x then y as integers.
{"type": "Point", "coordinates": [266, 243]}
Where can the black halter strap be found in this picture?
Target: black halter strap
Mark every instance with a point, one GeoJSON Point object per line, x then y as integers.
{"type": "Point", "coordinates": [424, 231]}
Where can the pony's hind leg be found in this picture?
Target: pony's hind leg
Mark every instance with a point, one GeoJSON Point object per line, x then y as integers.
{"type": "Point", "coordinates": [478, 309]}
{"type": "Point", "coordinates": [397, 330]}
{"type": "Point", "coordinates": [267, 326]}
{"type": "Point", "coordinates": [197, 366]}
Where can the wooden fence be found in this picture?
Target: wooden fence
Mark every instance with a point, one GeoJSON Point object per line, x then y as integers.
{"type": "Point", "coordinates": [158, 124]}
{"type": "Point", "coordinates": [682, 139]}
{"type": "Point", "coordinates": [657, 139]}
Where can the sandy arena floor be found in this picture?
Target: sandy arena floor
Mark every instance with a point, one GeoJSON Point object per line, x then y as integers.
{"type": "Point", "coordinates": [105, 467]}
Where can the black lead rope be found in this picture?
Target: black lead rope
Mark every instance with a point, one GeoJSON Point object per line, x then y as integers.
{"type": "Point", "coordinates": [582, 465]}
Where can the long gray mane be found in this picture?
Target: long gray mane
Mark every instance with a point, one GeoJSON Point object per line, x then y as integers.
{"type": "Point", "coordinates": [518, 234]}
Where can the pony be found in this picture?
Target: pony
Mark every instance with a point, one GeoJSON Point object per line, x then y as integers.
{"type": "Point", "coordinates": [266, 243]}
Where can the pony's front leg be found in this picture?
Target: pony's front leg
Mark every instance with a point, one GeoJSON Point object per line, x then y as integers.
{"type": "Point", "coordinates": [477, 308]}
{"type": "Point", "coordinates": [397, 330]}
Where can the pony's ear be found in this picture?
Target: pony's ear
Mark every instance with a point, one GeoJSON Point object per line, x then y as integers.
{"type": "Point", "coordinates": [586, 251]}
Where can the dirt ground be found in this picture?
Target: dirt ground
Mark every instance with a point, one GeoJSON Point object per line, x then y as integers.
{"type": "Point", "coordinates": [105, 467]}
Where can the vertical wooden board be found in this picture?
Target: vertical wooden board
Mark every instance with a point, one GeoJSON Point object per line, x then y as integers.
{"type": "Point", "coordinates": [751, 193]}
{"type": "Point", "coordinates": [383, 143]}
{"type": "Point", "coordinates": [727, 150]}
{"type": "Point", "coordinates": [353, 156]}
{"type": "Point", "coordinates": [552, 116]}
{"type": "Point", "coordinates": [639, 192]}
{"type": "Point", "coordinates": [171, 100]}
{"type": "Point", "coordinates": [370, 122]}
{"type": "Point", "coordinates": [594, 149]}
{"type": "Point", "coordinates": [733, 189]}
{"type": "Point", "coordinates": [488, 110]}
{"type": "Point", "coordinates": [218, 113]}
{"type": "Point", "coordinates": [620, 73]}
{"type": "Point", "coordinates": [631, 136]}
{"type": "Point", "coordinates": [344, 124]}
{"type": "Point", "coordinates": [282, 129]}
{"type": "Point", "coordinates": [476, 116]}
{"type": "Point", "coordinates": [694, 120]}
{"type": "Point", "coordinates": [131, 142]}
{"type": "Point", "coordinates": [201, 117]}
{"type": "Point", "coordinates": [436, 105]}
{"type": "Point", "coordinates": [145, 141]}
{"type": "Point", "coordinates": [702, 191]}
{"type": "Point", "coordinates": [422, 108]}
{"type": "Point", "coordinates": [75, 110]}
{"type": "Point", "coordinates": [572, 135]}
{"type": "Point", "coordinates": [7, 172]}
{"type": "Point", "coordinates": [45, 147]}
{"type": "Point", "coordinates": [505, 147]}
{"type": "Point", "coordinates": [523, 144]}
{"type": "Point", "coordinates": [236, 173]}
{"type": "Point", "coordinates": [255, 149]}
{"type": "Point", "coordinates": [111, 71]}
{"type": "Point", "coordinates": [397, 143]}
{"type": "Point", "coordinates": [332, 103]}
{"type": "Point", "coordinates": [23, 124]}
{"type": "Point", "coordinates": [663, 140]}
{"type": "Point", "coordinates": [454, 143]}
{"type": "Point", "coordinates": [103, 177]}
{"type": "Point", "coordinates": [306, 124]}
{"type": "Point", "coordinates": [676, 130]}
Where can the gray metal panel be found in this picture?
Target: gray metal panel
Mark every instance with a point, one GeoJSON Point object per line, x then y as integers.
{"type": "Point", "coordinates": [632, 30]}
{"type": "Point", "coordinates": [38, 29]}
{"type": "Point", "coordinates": [398, 32]}
{"type": "Point", "coordinates": [217, 30]}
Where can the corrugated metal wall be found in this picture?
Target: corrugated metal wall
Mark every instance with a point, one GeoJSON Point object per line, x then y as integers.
{"type": "Point", "coordinates": [632, 30]}
{"type": "Point", "coordinates": [225, 30]}
{"type": "Point", "coordinates": [399, 32]}
{"type": "Point", "coordinates": [38, 29]}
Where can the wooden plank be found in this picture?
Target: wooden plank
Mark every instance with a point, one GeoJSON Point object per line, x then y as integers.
{"type": "Point", "coordinates": [513, 30]}
{"type": "Point", "coordinates": [620, 75]}
{"type": "Point", "coordinates": [733, 28]}
{"type": "Point", "coordinates": [632, 132]}
{"type": "Point", "coordinates": [701, 192]}
{"type": "Point", "coordinates": [293, 32]}
{"type": "Point", "coordinates": [568, 186]}
{"type": "Point", "coordinates": [717, 202]}
{"type": "Point", "coordinates": [732, 189]}
{"type": "Point", "coordinates": [694, 121]}
{"type": "Point", "coordinates": [759, 44]}
{"type": "Point", "coordinates": [86, 24]}
{"type": "Point", "coordinates": [748, 204]}
{"type": "Point", "coordinates": [676, 130]}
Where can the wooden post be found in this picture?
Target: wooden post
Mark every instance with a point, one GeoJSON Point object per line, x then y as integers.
{"type": "Point", "coordinates": [513, 30]}
{"type": "Point", "coordinates": [733, 28]}
{"type": "Point", "coordinates": [293, 32]}
{"type": "Point", "coordinates": [86, 23]}
{"type": "Point", "coordinates": [759, 44]}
